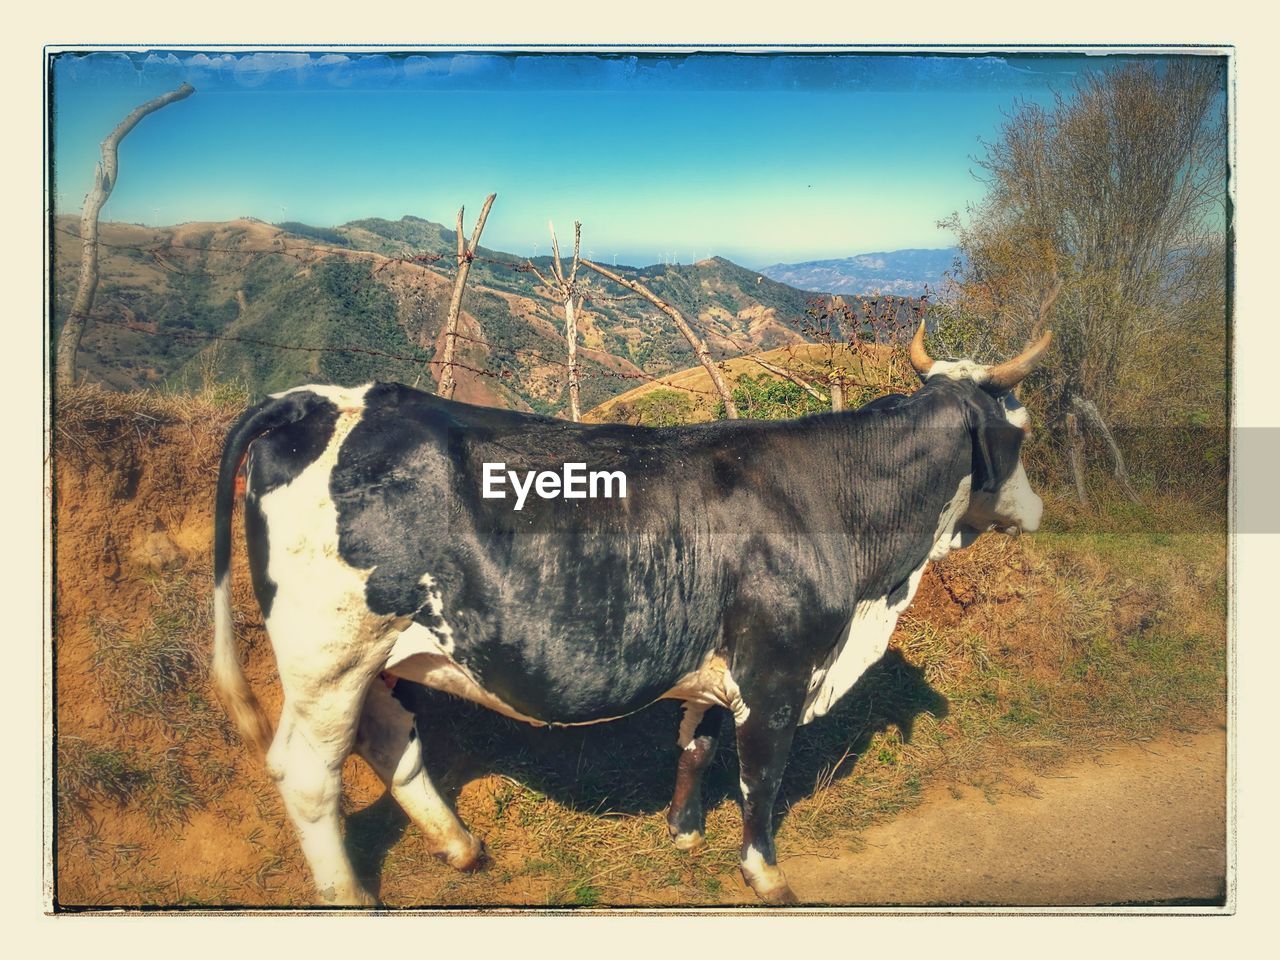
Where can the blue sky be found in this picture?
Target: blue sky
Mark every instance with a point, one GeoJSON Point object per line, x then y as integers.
{"type": "Point", "coordinates": [759, 158]}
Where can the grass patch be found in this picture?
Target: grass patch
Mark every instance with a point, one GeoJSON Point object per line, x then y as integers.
{"type": "Point", "coordinates": [157, 674]}
{"type": "Point", "coordinates": [161, 786]}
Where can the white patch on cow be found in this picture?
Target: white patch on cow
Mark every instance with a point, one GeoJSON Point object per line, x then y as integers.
{"type": "Point", "coordinates": [305, 564]}
{"type": "Point", "coordinates": [344, 397]}
{"type": "Point", "coordinates": [960, 370]}
{"type": "Point", "coordinates": [866, 637]}
{"type": "Point", "coordinates": [1014, 505]}
{"type": "Point", "coordinates": [689, 724]}
{"type": "Point", "coordinates": [1016, 414]}
{"type": "Point", "coordinates": [765, 879]}
{"type": "Point", "coordinates": [435, 606]}
{"type": "Point", "coordinates": [862, 643]}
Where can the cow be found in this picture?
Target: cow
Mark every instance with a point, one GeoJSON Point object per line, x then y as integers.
{"type": "Point", "coordinates": [752, 570]}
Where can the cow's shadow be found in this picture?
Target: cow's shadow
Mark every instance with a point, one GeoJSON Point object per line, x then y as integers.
{"type": "Point", "coordinates": [628, 766]}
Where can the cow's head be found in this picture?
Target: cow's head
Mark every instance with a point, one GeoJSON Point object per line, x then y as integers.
{"type": "Point", "coordinates": [1000, 495]}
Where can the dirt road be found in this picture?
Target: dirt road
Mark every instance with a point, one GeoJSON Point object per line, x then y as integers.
{"type": "Point", "coordinates": [1142, 824]}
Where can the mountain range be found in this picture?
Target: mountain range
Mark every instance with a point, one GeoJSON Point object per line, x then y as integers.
{"type": "Point", "coordinates": [904, 273]}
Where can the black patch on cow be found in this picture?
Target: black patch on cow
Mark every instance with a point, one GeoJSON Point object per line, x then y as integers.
{"type": "Point", "coordinates": [297, 428]}
{"type": "Point", "coordinates": [997, 445]}
{"type": "Point", "coordinates": [257, 540]}
{"type": "Point", "coordinates": [754, 538]}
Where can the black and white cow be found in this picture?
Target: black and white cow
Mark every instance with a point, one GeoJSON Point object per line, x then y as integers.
{"type": "Point", "coordinates": [754, 567]}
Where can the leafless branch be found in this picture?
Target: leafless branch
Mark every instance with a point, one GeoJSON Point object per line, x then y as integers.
{"type": "Point", "coordinates": [697, 343]}
{"type": "Point", "coordinates": [104, 181]}
{"type": "Point", "coordinates": [466, 253]}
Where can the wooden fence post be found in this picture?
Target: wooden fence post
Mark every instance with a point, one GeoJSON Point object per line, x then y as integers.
{"type": "Point", "coordinates": [466, 253]}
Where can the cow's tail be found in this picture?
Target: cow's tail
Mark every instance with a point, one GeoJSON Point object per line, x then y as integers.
{"type": "Point", "coordinates": [228, 675]}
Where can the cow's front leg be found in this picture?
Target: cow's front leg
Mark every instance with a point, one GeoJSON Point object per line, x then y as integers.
{"type": "Point", "coordinates": [766, 725]}
{"type": "Point", "coordinates": [387, 740]}
{"type": "Point", "coordinates": [699, 733]}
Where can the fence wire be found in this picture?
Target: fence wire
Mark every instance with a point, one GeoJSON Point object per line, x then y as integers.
{"type": "Point", "coordinates": [159, 251]}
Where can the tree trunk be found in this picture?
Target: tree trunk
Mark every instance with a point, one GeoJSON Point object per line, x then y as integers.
{"type": "Point", "coordinates": [697, 343]}
{"type": "Point", "coordinates": [466, 253]}
{"type": "Point", "coordinates": [1075, 455]}
{"type": "Point", "coordinates": [1088, 411]}
{"type": "Point", "coordinates": [571, 302]}
{"type": "Point", "coordinates": [104, 181]}
{"type": "Point", "coordinates": [571, 337]}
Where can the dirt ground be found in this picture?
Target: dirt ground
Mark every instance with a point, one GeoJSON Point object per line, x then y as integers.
{"type": "Point", "coordinates": [1141, 824]}
{"type": "Point", "coordinates": [160, 806]}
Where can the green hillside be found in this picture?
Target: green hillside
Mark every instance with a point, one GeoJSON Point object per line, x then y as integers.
{"type": "Point", "coordinates": [177, 302]}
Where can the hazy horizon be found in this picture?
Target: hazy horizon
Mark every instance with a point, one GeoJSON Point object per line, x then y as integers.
{"type": "Point", "coordinates": [759, 158]}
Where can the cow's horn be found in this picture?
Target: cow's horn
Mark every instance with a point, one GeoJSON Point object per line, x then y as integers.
{"type": "Point", "coordinates": [1009, 374]}
{"type": "Point", "coordinates": [920, 359]}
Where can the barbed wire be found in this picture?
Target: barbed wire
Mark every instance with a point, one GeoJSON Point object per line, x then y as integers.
{"type": "Point", "coordinates": [601, 372]}
{"type": "Point", "coordinates": [317, 252]}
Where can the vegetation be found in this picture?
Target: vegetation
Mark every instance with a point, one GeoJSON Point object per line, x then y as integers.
{"type": "Point", "coordinates": [1108, 625]}
{"type": "Point", "coordinates": [1117, 192]}
{"type": "Point", "coordinates": [324, 234]}
{"type": "Point", "coordinates": [765, 397]}
{"type": "Point", "coordinates": [663, 408]}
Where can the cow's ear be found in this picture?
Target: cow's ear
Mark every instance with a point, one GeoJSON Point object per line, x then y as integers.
{"type": "Point", "coordinates": [996, 446]}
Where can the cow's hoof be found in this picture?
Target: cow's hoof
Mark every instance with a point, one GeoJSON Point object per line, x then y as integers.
{"type": "Point", "coordinates": [767, 881]}
{"type": "Point", "coordinates": [365, 899]}
{"type": "Point", "coordinates": [782, 896]}
{"type": "Point", "coordinates": [774, 891]}
{"type": "Point", "coordinates": [689, 842]}
{"type": "Point", "coordinates": [347, 896]}
{"type": "Point", "coordinates": [468, 857]}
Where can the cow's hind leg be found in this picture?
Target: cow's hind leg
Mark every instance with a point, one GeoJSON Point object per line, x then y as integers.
{"type": "Point", "coordinates": [699, 733]}
{"type": "Point", "coordinates": [387, 739]}
{"type": "Point", "coordinates": [305, 760]}
{"type": "Point", "coordinates": [766, 725]}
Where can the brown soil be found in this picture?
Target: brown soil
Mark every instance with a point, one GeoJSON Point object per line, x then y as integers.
{"type": "Point", "coordinates": [1141, 824]}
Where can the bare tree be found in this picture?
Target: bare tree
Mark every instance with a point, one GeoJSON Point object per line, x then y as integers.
{"type": "Point", "coordinates": [1119, 187]}
{"type": "Point", "coordinates": [466, 254]}
{"type": "Point", "coordinates": [564, 288]}
{"type": "Point", "coordinates": [104, 181]}
{"type": "Point", "coordinates": [697, 343]}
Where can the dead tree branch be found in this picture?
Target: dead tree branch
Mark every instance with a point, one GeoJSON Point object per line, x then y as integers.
{"type": "Point", "coordinates": [1088, 412]}
{"type": "Point", "coordinates": [104, 181]}
{"type": "Point", "coordinates": [697, 343]}
{"type": "Point", "coordinates": [466, 253]}
{"type": "Point", "coordinates": [571, 300]}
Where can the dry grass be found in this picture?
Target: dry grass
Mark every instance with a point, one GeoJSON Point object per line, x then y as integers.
{"type": "Point", "coordinates": [1015, 656]}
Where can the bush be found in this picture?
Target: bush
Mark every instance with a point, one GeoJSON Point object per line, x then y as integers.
{"type": "Point", "coordinates": [762, 397]}
{"type": "Point", "coordinates": [663, 408]}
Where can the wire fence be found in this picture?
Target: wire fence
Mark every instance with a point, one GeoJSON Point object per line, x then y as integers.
{"type": "Point", "coordinates": [166, 253]}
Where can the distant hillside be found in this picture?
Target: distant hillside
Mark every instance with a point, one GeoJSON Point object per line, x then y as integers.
{"type": "Point", "coordinates": [903, 273]}
{"type": "Point", "coordinates": [181, 301]}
